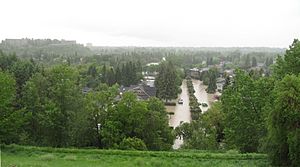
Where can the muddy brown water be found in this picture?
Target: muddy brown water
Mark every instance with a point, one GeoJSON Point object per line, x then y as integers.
{"type": "Point", "coordinates": [182, 111]}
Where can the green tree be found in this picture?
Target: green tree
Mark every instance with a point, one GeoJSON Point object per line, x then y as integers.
{"type": "Point", "coordinates": [22, 71]}
{"type": "Point", "coordinates": [146, 120]}
{"type": "Point", "coordinates": [7, 61]}
{"type": "Point", "coordinates": [290, 63]}
{"type": "Point", "coordinates": [10, 119]}
{"type": "Point", "coordinates": [243, 111]}
{"type": "Point", "coordinates": [212, 80]}
{"type": "Point", "coordinates": [284, 121]}
{"type": "Point", "coordinates": [247, 62]}
{"type": "Point", "coordinates": [118, 76]}
{"type": "Point", "coordinates": [98, 105]}
{"type": "Point", "coordinates": [111, 77]}
{"type": "Point", "coordinates": [165, 82]}
{"type": "Point", "coordinates": [254, 62]}
{"type": "Point", "coordinates": [33, 100]}
{"type": "Point", "coordinates": [132, 144]}
{"type": "Point", "coordinates": [206, 133]}
{"type": "Point", "coordinates": [64, 101]}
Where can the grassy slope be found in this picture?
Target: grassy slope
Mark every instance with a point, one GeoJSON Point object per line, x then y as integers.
{"type": "Point", "coordinates": [45, 157]}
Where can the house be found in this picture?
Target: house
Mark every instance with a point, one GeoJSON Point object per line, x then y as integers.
{"type": "Point", "coordinates": [143, 91]}
{"type": "Point", "coordinates": [220, 84]}
{"type": "Point", "coordinates": [194, 73]}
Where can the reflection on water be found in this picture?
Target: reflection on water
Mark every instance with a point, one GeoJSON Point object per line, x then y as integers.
{"type": "Point", "coordinates": [182, 111]}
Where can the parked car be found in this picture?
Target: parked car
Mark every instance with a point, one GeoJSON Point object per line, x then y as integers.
{"type": "Point", "coordinates": [180, 101]}
{"type": "Point", "coordinates": [204, 105]}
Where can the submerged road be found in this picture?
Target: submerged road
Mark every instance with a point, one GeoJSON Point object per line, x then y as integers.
{"type": "Point", "coordinates": [182, 111]}
{"type": "Point", "coordinates": [201, 94]}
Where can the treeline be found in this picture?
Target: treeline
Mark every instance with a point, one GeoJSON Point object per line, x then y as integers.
{"type": "Point", "coordinates": [50, 52]}
{"type": "Point", "coordinates": [127, 74]}
{"type": "Point", "coordinates": [256, 114]}
{"type": "Point", "coordinates": [47, 107]}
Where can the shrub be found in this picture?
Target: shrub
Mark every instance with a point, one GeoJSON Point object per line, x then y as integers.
{"type": "Point", "coordinates": [47, 157]}
{"type": "Point", "coordinates": [132, 144]}
{"type": "Point", "coordinates": [70, 157]}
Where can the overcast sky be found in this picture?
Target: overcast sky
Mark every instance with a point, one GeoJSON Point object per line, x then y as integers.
{"type": "Point", "coordinates": [270, 23]}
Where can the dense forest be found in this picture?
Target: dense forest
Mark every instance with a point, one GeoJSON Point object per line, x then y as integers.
{"type": "Point", "coordinates": [43, 101]}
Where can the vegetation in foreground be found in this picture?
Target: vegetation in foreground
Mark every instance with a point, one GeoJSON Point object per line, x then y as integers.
{"type": "Point", "coordinates": [14, 155]}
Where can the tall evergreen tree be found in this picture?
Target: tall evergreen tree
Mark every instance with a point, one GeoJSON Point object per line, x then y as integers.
{"type": "Point", "coordinates": [212, 80]}
{"type": "Point", "coordinates": [254, 62]}
{"type": "Point", "coordinates": [118, 75]}
{"type": "Point", "coordinates": [165, 83]}
{"type": "Point", "coordinates": [247, 62]}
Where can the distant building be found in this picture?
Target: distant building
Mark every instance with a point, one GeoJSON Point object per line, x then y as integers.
{"type": "Point", "coordinates": [152, 64]}
{"type": "Point", "coordinates": [16, 42]}
{"type": "Point", "coordinates": [143, 91]}
{"type": "Point", "coordinates": [229, 73]}
{"type": "Point", "coordinates": [89, 45]}
{"type": "Point", "coordinates": [220, 84]}
{"type": "Point", "coordinates": [194, 73]}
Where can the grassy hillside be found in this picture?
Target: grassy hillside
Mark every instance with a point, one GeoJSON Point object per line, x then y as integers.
{"type": "Point", "coordinates": [25, 156]}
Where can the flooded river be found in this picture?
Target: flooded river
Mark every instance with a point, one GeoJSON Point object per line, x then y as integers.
{"type": "Point", "coordinates": [182, 111]}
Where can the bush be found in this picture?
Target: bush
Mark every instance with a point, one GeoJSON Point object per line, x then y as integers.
{"type": "Point", "coordinates": [170, 103]}
{"type": "Point", "coordinates": [47, 157]}
{"type": "Point", "coordinates": [70, 157]}
{"type": "Point", "coordinates": [132, 144]}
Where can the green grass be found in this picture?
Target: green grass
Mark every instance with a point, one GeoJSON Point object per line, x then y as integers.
{"type": "Point", "coordinates": [28, 156]}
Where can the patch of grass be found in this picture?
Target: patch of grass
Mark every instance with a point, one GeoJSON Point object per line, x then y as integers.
{"type": "Point", "coordinates": [28, 156]}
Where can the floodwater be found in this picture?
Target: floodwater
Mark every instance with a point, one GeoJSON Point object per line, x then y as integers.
{"type": "Point", "coordinates": [182, 111]}
{"type": "Point", "coordinates": [201, 94]}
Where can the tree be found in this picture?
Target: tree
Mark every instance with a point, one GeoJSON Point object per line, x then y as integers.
{"type": "Point", "coordinates": [111, 77]}
{"type": "Point", "coordinates": [247, 62]}
{"type": "Point", "coordinates": [244, 116]}
{"type": "Point", "coordinates": [165, 82]}
{"type": "Point", "coordinates": [284, 123]}
{"type": "Point", "coordinates": [34, 97]}
{"type": "Point", "coordinates": [132, 144]}
{"type": "Point", "coordinates": [159, 135]}
{"type": "Point", "coordinates": [254, 62]}
{"type": "Point", "coordinates": [63, 102]}
{"type": "Point", "coordinates": [98, 105]}
{"type": "Point", "coordinates": [290, 63]}
{"type": "Point", "coordinates": [22, 71]}
{"type": "Point", "coordinates": [212, 80]}
{"type": "Point", "coordinates": [7, 61]}
{"type": "Point", "coordinates": [206, 133]}
{"type": "Point", "coordinates": [146, 120]}
{"type": "Point", "coordinates": [118, 76]}
{"type": "Point", "coordinates": [10, 119]}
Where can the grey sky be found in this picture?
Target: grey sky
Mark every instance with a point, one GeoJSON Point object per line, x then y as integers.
{"type": "Point", "coordinates": [271, 23]}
